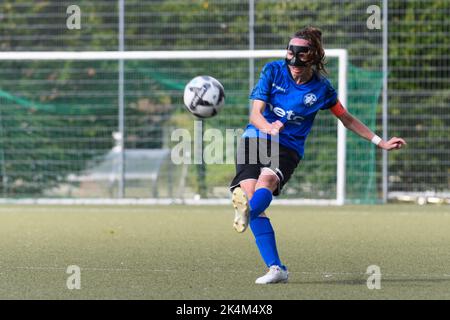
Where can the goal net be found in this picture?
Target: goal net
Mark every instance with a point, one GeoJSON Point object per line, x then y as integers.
{"type": "Point", "coordinates": [97, 127]}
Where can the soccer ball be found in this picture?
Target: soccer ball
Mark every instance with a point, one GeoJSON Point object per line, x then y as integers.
{"type": "Point", "coordinates": [204, 96]}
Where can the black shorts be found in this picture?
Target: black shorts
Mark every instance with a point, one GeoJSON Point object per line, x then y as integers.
{"type": "Point", "coordinates": [253, 154]}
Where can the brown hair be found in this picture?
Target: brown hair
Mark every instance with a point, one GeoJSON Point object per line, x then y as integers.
{"type": "Point", "coordinates": [316, 56]}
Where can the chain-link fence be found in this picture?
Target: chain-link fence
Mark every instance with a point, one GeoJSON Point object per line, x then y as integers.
{"type": "Point", "coordinates": [58, 118]}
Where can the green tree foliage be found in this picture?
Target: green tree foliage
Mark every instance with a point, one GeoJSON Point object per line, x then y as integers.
{"type": "Point", "coordinates": [39, 99]}
{"type": "Point", "coordinates": [419, 92]}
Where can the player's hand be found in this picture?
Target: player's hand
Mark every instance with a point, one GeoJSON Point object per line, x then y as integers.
{"type": "Point", "coordinates": [273, 128]}
{"type": "Point", "coordinates": [277, 126]}
{"type": "Point", "coordinates": [392, 144]}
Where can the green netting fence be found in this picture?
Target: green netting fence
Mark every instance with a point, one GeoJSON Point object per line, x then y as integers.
{"type": "Point", "coordinates": [55, 119]}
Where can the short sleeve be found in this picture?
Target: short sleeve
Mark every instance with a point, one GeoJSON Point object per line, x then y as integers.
{"type": "Point", "coordinates": [330, 96]}
{"type": "Point", "coordinates": [262, 89]}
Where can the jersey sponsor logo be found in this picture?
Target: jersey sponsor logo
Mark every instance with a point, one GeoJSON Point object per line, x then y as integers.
{"type": "Point", "coordinates": [278, 87]}
{"type": "Point", "coordinates": [288, 114]}
{"type": "Point", "coordinates": [309, 99]}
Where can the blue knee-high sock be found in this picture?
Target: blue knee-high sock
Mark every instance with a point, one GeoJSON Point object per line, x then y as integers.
{"type": "Point", "coordinates": [259, 202]}
{"type": "Point", "coordinates": [265, 240]}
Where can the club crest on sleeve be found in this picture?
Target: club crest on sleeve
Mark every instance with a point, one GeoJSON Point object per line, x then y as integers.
{"type": "Point", "coordinates": [309, 99]}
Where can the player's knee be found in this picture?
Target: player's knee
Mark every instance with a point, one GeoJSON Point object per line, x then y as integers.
{"type": "Point", "coordinates": [268, 179]}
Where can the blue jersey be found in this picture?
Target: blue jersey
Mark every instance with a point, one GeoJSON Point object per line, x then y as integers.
{"type": "Point", "coordinates": [293, 104]}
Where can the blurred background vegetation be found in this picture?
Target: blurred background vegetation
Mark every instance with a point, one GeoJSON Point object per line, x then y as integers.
{"type": "Point", "coordinates": [55, 117]}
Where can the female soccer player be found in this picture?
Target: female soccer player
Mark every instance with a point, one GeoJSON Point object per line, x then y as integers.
{"type": "Point", "coordinates": [286, 100]}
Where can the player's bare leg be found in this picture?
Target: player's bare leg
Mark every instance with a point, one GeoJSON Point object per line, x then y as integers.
{"type": "Point", "coordinates": [268, 179]}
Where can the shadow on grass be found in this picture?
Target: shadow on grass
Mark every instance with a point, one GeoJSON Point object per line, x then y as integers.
{"type": "Point", "coordinates": [358, 282]}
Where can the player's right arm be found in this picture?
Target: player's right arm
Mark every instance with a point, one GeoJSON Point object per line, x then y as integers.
{"type": "Point", "coordinates": [257, 119]}
{"type": "Point", "coordinates": [260, 94]}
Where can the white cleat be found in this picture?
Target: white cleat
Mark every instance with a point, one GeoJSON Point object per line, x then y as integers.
{"type": "Point", "coordinates": [275, 275]}
{"type": "Point", "coordinates": [241, 209]}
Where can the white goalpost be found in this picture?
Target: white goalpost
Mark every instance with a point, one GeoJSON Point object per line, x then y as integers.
{"type": "Point", "coordinates": [340, 54]}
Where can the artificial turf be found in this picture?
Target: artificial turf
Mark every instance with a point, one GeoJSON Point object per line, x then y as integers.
{"type": "Point", "coordinates": [192, 252]}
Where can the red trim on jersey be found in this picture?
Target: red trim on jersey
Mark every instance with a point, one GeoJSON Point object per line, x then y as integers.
{"type": "Point", "coordinates": [338, 110]}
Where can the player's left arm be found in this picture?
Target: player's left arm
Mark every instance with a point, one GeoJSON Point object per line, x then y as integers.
{"type": "Point", "coordinates": [354, 124]}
